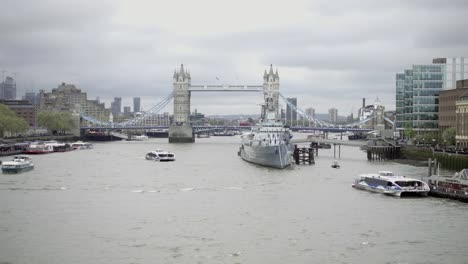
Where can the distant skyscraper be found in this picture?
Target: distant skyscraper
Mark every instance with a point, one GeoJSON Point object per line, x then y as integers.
{"type": "Point", "coordinates": [291, 115]}
{"type": "Point", "coordinates": [31, 97]}
{"type": "Point", "coordinates": [310, 111]}
{"type": "Point", "coordinates": [8, 89]}
{"type": "Point", "coordinates": [127, 110]}
{"type": "Point", "coordinates": [116, 106]}
{"type": "Point", "coordinates": [333, 115]}
{"type": "Point", "coordinates": [136, 104]}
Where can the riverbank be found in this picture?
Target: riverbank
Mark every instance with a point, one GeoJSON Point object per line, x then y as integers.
{"type": "Point", "coordinates": [69, 137]}
{"type": "Point", "coordinates": [419, 156]}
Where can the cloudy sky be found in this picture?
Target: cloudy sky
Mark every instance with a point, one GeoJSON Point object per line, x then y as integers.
{"type": "Point", "coordinates": [328, 53]}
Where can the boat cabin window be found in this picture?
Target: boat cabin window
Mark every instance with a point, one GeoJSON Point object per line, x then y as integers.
{"type": "Point", "coordinates": [386, 173]}
{"type": "Point", "coordinates": [409, 183]}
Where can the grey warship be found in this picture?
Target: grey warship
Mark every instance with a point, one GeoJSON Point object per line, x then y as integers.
{"type": "Point", "coordinates": [268, 143]}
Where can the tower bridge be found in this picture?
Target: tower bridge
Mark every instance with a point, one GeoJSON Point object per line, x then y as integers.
{"type": "Point", "coordinates": [181, 129]}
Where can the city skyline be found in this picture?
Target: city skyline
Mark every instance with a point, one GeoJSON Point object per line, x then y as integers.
{"type": "Point", "coordinates": [327, 54]}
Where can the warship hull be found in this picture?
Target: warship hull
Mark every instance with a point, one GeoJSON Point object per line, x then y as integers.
{"type": "Point", "coordinates": [277, 156]}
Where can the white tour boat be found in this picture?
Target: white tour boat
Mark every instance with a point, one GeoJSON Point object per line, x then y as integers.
{"type": "Point", "coordinates": [39, 148]}
{"type": "Point", "coordinates": [19, 163]}
{"type": "Point", "coordinates": [388, 183]}
{"type": "Point", "coordinates": [82, 145]}
{"type": "Point", "coordinates": [160, 155]}
{"type": "Point", "coordinates": [138, 137]}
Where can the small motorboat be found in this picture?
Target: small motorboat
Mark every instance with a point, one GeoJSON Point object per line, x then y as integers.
{"type": "Point", "coordinates": [335, 165]}
{"type": "Point", "coordinates": [160, 155]}
{"type": "Point", "coordinates": [19, 164]}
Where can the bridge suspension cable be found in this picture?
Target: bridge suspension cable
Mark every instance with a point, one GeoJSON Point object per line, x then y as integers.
{"type": "Point", "coordinates": [304, 114]}
{"type": "Point", "coordinates": [152, 111]}
{"type": "Point", "coordinates": [134, 121]}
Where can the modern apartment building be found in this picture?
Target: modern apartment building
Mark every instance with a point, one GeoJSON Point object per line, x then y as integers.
{"type": "Point", "coordinates": [418, 89]}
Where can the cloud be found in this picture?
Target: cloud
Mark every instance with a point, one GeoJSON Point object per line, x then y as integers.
{"type": "Point", "coordinates": [328, 53]}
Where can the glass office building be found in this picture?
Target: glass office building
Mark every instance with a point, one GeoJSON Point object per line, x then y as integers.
{"type": "Point", "coordinates": [417, 97]}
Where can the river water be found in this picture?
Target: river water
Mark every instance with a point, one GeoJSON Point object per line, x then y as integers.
{"type": "Point", "coordinates": [110, 205]}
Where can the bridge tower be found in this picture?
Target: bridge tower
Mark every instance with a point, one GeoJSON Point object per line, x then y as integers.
{"type": "Point", "coordinates": [180, 130]}
{"type": "Point", "coordinates": [271, 86]}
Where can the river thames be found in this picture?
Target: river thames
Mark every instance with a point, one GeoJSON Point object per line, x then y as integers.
{"type": "Point", "coordinates": [110, 205]}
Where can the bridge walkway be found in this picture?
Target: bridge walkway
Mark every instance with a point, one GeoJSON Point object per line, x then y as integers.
{"type": "Point", "coordinates": [330, 141]}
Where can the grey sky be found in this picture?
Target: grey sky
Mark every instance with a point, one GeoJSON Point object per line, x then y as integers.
{"type": "Point", "coordinates": [328, 53]}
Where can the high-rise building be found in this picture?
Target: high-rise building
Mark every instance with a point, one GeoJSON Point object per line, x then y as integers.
{"type": "Point", "coordinates": [116, 106]}
{"type": "Point", "coordinates": [310, 111]}
{"type": "Point", "coordinates": [333, 115]}
{"type": "Point", "coordinates": [127, 110]}
{"type": "Point", "coordinates": [31, 97]}
{"type": "Point", "coordinates": [291, 115]}
{"type": "Point", "coordinates": [8, 89]}
{"type": "Point", "coordinates": [417, 92]}
{"type": "Point", "coordinates": [136, 104]}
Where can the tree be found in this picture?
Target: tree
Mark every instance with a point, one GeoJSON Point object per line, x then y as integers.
{"type": "Point", "coordinates": [10, 122]}
{"type": "Point", "coordinates": [409, 132]}
{"type": "Point", "coordinates": [449, 136]}
{"type": "Point", "coordinates": [56, 122]}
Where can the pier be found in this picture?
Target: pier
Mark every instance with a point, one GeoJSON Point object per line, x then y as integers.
{"type": "Point", "coordinates": [303, 155]}
{"type": "Point", "coordinates": [377, 149]}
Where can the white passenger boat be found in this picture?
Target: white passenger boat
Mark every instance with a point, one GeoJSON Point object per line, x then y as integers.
{"type": "Point", "coordinates": [82, 145]}
{"type": "Point", "coordinates": [160, 155]}
{"type": "Point", "coordinates": [388, 183]}
{"type": "Point", "coordinates": [19, 163]}
{"type": "Point", "coordinates": [138, 137]}
{"type": "Point", "coordinates": [39, 148]}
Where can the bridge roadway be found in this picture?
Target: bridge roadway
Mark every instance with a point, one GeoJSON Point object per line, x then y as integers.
{"type": "Point", "coordinates": [326, 129]}
{"type": "Point", "coordinates": [354, 143]}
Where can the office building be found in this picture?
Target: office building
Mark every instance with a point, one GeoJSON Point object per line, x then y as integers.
{"type": "Point", "coordinates": [291, 115]}
{"type": "Point", "coordinates": [116, 106]}
{"type": "Point", "coordinates": [136, 104]}
{"type": "Point", "coordinates": [127, 110]}
{"type": "Point", "coordinates": [447, 104]}
{"type": "Point", "coordinates": [8, 89]}
{"type": "Point", "coordinates": [418, 89]}
{"type": "Point", "coordinates": [333, 115]}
